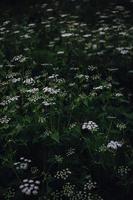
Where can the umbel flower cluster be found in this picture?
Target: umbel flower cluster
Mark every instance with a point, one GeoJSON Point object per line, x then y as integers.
{"type": "Point", "coordinates": [29, 187]}
{"type": "Point", "coordinates": [114, 145]}
{"type": "Point", "coordinates": [72, 192]}
{"type": "Point", "coordinates": [63, 174]}
{"type": "Point", "coordinates": [90, 185]}
{"type": "Point", "coordinates": [22, 164]}
{"type": "Point", "coordinates": [91, 126]}
{"type": "Point", "coordinates": [68, 189]}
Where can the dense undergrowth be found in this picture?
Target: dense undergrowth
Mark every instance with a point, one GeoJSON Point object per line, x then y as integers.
{"type": "Point", "coordinates": [66, 101]}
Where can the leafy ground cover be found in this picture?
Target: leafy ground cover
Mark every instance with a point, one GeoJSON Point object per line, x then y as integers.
{"type": "Point", "coordinates": [66, 101]}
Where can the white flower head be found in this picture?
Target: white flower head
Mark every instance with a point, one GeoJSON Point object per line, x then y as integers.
{"type": "Point", "coordinates": [91, 126]}
{"type": "Point", "coordinates": [114, 145]}
{"type": "Point", "coordinates": [29, 187]}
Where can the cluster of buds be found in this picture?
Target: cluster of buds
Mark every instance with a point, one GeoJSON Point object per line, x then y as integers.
{"type": "Point", "coordinates": [22, 164]}
{"type": "Point", "coordinates": [68, 189]}
{"type": "Point", "coordinates": [89, 185]}
{"type": "Point", "coordinates": [63, 174]}
{"type": "Point", "coordinates": [123, 170]}
{"type": "Point", "coordinates": [29, 187]}
{"type": "Point", "coordinates": [102, 148]}
{"type": "Point", "coordinates": [91, 126]}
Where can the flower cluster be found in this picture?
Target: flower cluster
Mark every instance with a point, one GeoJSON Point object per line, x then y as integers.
{"type": "Point", "coordinates": [123, 170]}
{"type": "Point", "coordinates": [22, 164]}
{"type": "Point", "coordinates": [33, 90]}
{"type": "Point", "coordinates": [107, 86]}
{"type": "Point", "coordinates": [89, 185]}
{"type": "Point", "coordinates": [19, 58]}
{"type": "Point", "coordinates": [118, 94]}
{"type": "Point", "coordinates": [29, 187]}
{"type": "Point", "coordinates": [102, 148]}
{"type": "Point", "coordinates": [121, 126]}
{"type": "Point", "coordinates": [48, 102]}
{"type": "Point", "coordinates": [28, 81]}
{"type": "Point", "coordinates": [63, 174]}
{"type": "Point", "coordinates": [51, 90]}
{"type": "Point", "coordinates": [4, 120]}
{"type": "Point", "coordinates": [9, 100]}
{"type": "Point", "coordinates": [114, 145]}
{"type": "Point", "coordinates": [91, 126]}
{"type": "Point", "coordinates": [84, 195]}
{"type": "Point", "coordinates": [68, 189]}
{"type": "Point", "coordinates": [15, 80]}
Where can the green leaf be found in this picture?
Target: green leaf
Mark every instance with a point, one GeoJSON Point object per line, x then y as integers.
{"type": "Point", "coordinates": [55, 136]}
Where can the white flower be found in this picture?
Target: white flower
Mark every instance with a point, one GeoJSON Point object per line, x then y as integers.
{"type": "Point", "coordinates": [51, 90]}
{"type": "Point", "coordinates": [25, 180]}
{"type": "Point", "coordinates": [35, 192]}
{"type": "Point", "coordinates": [48, 103]}
{"type": "Point", "coordinates": [28, 192]}
{"type": "Point", "coordinates": [60, 52]}
{"type": "Point", "coordinates": [29, 81]}
{"type": "Point", "coordinates": [98, 88]}
{"type": "Point", "coordinates": [107, 86]}
{"type": "Point", "coordinates": [37, 182]}
{"type": "Point", "coordinates": [15, 80]}
{"type": "Point", "coordinates": [91, 126]}
{"type": "Point", "coordinates": [29, 187]}
{"type": "Point", "coordinates": [114, 145]}
{"type": "Point", "coordinates": [4, 120]}
{"type": "Point", "coordinates": [22, 164]}
{"type": "Point", "coordinates": [118, 94]}
{"type": "Point", "coordinates": [19, 58]}
{"type": "Point", "coordinates": [66, 35]}
{"type": "Point", "coordinates": [21, 186]}
{"type": "Point", "coordinates": [9, 100]}
{"type": "Point", "coordinates": [33, 90]}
